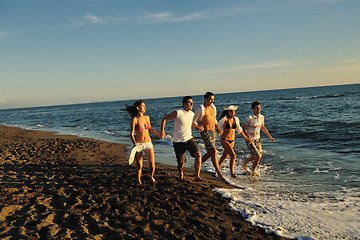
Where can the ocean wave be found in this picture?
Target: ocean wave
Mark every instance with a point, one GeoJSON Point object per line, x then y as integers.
{"type": "Point", "coordinates": [310, 97]}
{"type": "Point", "coordinates": [76, 120]}
{"type": "Point", "coordinates": [70, 126]}
{"type": "Point", "coordinates": [329, 96]}
{"type": "Point", "coordinates": [318, 170]}
{"type": "Point", "coordinates": [326, 218]}
{"type": "Point", "coordinates": [109, 132]}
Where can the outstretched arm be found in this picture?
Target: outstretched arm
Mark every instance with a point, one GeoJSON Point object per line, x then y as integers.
{"type": "Point", "coordinates": [153, 130]}
{"type": "Point", "coordinates": [263, 128]}
{"type": "Point", "coordinates": [163, 122]}
{"type": "Point", "coordinates": [197, 116]}
{"type": "Point", "coordinates": [247, 138]}
{"type": "Point", "coordinates": [245, 131]}
{"type": "Point", "coordinates": [218, 130]}
{"type": "Point", "coordinates": [197, 127]}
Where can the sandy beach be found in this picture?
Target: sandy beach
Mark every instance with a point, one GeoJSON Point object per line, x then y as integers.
{"type": "Point", "coordinates": [65, 187]}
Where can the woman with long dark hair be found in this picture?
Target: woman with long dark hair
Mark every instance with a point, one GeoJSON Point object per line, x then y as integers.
{"type": "Point", "coordinates": [141, 125]}
{"type": "Point", "coordinates": [229, 123]}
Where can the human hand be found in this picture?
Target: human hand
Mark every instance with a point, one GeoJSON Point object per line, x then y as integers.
{"type": "Point", "coordinates": [162, 135]}
{"type": "Point", "coordinates": [219, 131]}
{"type": "Point", "coordinates": [200, 128]}
{"type": "Point", "coordinates": [272, 139]}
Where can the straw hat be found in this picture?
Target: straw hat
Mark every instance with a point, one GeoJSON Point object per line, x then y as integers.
{"type": "Point", "coordinates": [231, 107]}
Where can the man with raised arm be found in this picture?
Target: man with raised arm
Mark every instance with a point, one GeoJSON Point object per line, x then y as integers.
{"type": "Point", "coordinates": [182, 138]}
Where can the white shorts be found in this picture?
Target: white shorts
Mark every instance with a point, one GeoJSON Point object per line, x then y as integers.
{"type": "Point", "coordinates": [144, 146]}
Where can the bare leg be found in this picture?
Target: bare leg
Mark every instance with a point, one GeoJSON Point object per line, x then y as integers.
{"type": "Point", "coordinates": [151, 159]}
{"type": "Point", "coordinates": [181, 171]}
{"type": "Point", "coordinates": [139, 165]}
{"type": "Point", "coordinates": [197, 166]}
{"type": "Point", "coordinates": [214, 159]}
{"type": "Point", "coordinates": [223, 157]}
{"type": "Point", "coordinates": [205, 158]}
{"type": "Point", "coordinates": [229, 150]}
{"type": "Point", "coordinates": [256, 163]}
{"type": "Point", "coordinates": [246, 163]}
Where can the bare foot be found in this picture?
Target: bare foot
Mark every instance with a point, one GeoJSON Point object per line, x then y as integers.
{"type": "Point", "coordinates": [198, 179]}
{"type": "Point", "coordinates": [153, 181]}
{"type": "Point", "coordinates": [221, 178]}
{"type": "Point", "coordinates": [181, 175]}
{"type": "Point", "coordinates": [233, 176]}
{"type": "Point", "coordinates": [245, 166]}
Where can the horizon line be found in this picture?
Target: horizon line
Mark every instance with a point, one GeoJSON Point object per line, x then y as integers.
{"type": "Point", "coordinates": [153, 98]}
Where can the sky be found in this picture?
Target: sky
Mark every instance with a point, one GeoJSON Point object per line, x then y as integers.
{"type": "Point", "coordinates": [78, 51]}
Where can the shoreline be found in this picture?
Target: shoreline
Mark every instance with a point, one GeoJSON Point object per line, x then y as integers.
{"type": "Point", "coordinates": [64, 186]}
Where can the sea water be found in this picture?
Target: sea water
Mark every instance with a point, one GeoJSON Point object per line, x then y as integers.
{"type": "Point", "coordinates": [309, 186]}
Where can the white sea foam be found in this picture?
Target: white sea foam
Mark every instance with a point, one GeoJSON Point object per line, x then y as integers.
{"type": "Point", "coordinates": [297, 219]}
{"type": "Point", "coordinates": [317, 170]}
{"type": "Point", "coordinates": [109, 132]}
{"type": "Point", "coordinates": [291, 214]}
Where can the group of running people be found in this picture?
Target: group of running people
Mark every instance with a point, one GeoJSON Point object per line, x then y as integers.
{"type": "Point", "coordinates": [203, 120]}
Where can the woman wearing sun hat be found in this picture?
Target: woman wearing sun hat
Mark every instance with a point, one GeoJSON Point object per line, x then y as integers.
{"type": "Point", "coordinates": [229, 123]}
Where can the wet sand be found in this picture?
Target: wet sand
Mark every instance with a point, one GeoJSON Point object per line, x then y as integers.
{"type": "Point", "coordinates": [65, 187]}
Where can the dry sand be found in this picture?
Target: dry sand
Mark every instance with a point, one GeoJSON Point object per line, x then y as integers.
{"type": "Point", "coordinates": [65, 187]}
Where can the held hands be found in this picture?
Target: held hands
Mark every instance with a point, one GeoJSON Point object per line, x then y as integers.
{"type": "Point", "coordinates": [246, 136]}
{"type": "Point", "coordinates": [200, 128]}
{"type": "Point", "coordinates": [161, 135]}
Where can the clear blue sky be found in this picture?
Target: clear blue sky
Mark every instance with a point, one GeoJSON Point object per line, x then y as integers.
{"type": "Point", "coordinates": [74, 51]}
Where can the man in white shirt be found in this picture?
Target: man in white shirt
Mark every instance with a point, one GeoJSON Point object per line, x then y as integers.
{"type": "Point", "coordinates": [205, 116]}
{"type": "Point", "coordinates": [252, 126]}
{"type": "Point", "coordinates": [182, 137]}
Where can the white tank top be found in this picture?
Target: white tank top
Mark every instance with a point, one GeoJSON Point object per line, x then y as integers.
{"type": "Point", "coordinates": [182, 125]}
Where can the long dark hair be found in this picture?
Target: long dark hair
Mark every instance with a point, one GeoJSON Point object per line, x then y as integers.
{"type": "Point", "coordinates": [225, 113]}
{"type": "Point", "coordinates": [132, 110]}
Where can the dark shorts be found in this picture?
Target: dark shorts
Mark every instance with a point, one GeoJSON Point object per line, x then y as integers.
{"type": "Point", "coordinates": [181, 147]}
{"type": "Point", "coordinates": [252, 151]}
{"type": "Point", "coordinates": [209, 137]}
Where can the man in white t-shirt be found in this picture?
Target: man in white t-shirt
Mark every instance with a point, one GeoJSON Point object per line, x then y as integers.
{"type": "Point", "coordinates": [182, 137]}
{"type": "Point", "coordinates": [252, 126]}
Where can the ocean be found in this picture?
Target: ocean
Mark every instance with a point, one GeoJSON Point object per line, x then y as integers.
{"type": "Point", "coordinates": [309, 186]}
